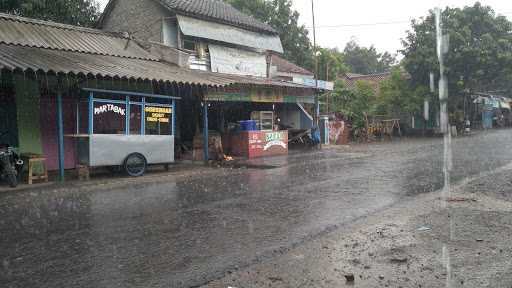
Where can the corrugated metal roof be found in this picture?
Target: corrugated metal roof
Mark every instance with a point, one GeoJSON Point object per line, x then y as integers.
{"type": "Point", "coordinates": [44, 34]}
{"type": "Point", "coordinates": [217, 11]}
{"type": "Point", "coordinates": [46, 60]}
{"type": "Point", "coordinates": [35, 45]}
{"type": "Point", "coordinates": [229, 34]}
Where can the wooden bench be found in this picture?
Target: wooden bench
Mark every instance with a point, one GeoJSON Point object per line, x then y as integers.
{"type": "Point", "coordinates": [31, 159]}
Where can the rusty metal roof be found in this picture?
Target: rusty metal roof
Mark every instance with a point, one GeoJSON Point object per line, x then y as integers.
{"type": "Point", "coordinates": [28, 32]}
{"type": "Point", "coordinates": [374, 79]}
{"type": "Point", "coordinates": [286, 66]}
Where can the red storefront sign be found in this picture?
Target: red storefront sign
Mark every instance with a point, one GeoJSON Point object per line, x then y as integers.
{"type": "Point", "coordinates": [263, 143]}
{"type": "Point", "coordinates": [253, 144]}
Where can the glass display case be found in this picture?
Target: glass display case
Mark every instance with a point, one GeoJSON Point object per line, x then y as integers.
{"type": "Point", "coordinates": [264, 120]}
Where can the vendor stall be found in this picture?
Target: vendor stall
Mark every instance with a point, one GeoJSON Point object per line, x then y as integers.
{"type": "Point", "coordinates": [125, 129]}
{"type": "Point", "coordinates": [255, 123]}
{"type": "Point", "coordinates": [253, 144]}
{"type": "Point", "coordinates": [257, 137]}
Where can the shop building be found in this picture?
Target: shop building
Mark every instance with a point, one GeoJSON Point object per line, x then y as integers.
{"type": "Point", "coordinates": [222, 40]}
{"type": "Point", "coordinates": [65, 87]}
{"type": "Point", "coordinates": [60, 83]}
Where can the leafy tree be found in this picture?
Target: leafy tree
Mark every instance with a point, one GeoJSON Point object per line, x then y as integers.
{"type": "Point", "coordinates": [356, 104]}
{"type": "Point", "coordinates": [397, 96]}
{"type": "Point", "coordinates": [364, 60]}
{"type": "Point", "coordinates": [280, 15]}
{"type": "Point", "coordinates": [330, 64]}
{"type": "Point", "coordinates": [74, 12]}
{"type": "Point", "coordinates": [480, 51]}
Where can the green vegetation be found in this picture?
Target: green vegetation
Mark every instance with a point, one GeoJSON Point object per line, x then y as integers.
{"type": "Point", "coordinates": [397, 96]}
{"type": "Point", "coordinates": [356, 104]}
{"type": "Point", "coordinates": [74, 12]}
{"type": "Point", "coordinates": [479, 57]}
{"type": "Point", "coordinates": [362, 60]}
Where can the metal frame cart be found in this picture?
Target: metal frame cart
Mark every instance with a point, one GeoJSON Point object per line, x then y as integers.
{"type": "Point", "coordinates": [135, 147]}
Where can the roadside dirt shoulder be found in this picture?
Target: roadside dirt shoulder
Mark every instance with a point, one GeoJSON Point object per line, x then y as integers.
{"type": "Point", "coordinates": [421, 242]}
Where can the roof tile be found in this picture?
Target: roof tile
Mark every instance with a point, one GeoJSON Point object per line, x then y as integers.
{"type": "Point", "coordinates": [286, 66]}
{"type": "Point", "coordinates": [217, 11]}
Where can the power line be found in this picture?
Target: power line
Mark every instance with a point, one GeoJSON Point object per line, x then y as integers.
{"type": "Point", "coordinates": [363, 24]}
{"type": "Point", "coordinates": [381, 23]}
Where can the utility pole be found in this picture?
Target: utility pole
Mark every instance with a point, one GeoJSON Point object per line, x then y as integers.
{"type": "Point", "coordinates": [327, 80]}
{"type": "Point", "coordinates": [442, 50]}
{"type": "Point", "coordinates": [317, 103]}
{"type": "Point", "coordinates": [315, 51]}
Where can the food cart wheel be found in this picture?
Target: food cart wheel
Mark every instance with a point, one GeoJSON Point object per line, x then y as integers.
{"type": "Point", "coordinates": [135, 165]}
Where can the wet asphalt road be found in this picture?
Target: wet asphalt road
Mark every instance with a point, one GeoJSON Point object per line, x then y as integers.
{"type": "Point", "coordinates": [187, 232]}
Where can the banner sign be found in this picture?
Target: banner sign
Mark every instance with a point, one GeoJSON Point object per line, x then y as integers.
{"type": "Point", "coordinates": [268, 143]}
{"type": "Point", "coordinates": [158, 114]}
{"type": "Point", "coordinates": [258, 97]}
{"type": "Point", "coordinates": [310, 82]}
{"type": "Point", "coordinates": [237, 62]}
{"type": "Point", "coordinates": [109, 108]}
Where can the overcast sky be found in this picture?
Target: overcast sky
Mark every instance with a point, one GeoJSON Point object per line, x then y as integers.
{"type": "Point", "coordinates": [373, 22]}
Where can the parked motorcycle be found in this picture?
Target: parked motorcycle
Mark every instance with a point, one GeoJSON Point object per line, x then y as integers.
{"type": "Point", "coordinates": [11, 165]}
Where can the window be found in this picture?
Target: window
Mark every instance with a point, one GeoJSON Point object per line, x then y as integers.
{"type": "Point", "coordinates": [109, 118]}
{"type": "Point", "coordinates": [135, 119]}
{"type": "Point", "coordinates": [145, 116]}
{"type": "Point", "coordinates": [158, 120]}
{"type": "Point", "coordinates": [189, 45]}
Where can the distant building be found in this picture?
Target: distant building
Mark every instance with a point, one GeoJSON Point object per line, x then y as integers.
{"type": "Point", "coordinates": [351, 79]}
{"type": "Point", "coordinates": [285, 70]}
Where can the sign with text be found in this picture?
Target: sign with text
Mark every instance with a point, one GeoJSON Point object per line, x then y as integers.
{"type": "Point", "coordinates": [104, 108]}
{"type": "Point", "coordinates": [258, 97]}
{"type": "Point", "coordinates": [158, 114]}
{"type": "Point", "coordinates": [311, 82]}
{"type": "Point", "coordinates": [268, 143]}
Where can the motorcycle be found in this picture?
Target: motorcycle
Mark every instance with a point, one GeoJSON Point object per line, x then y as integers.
{"type": "Point", "coordinates": [11, 165]}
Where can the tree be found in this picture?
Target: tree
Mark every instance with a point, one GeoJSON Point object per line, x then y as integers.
{"type": "Point", "coordinates": [362, 60]}
{"type": "Point", "coordinates": [331, 64]}
{"type": "Point", "coordinates": [397, 96]}
{"type": "Point", "coordinates": [479, 58]}
{"type": "Point", "coordinates": [74, 12]}
{"type": "Point", "coordinates": [356, 104]}
{"type": "Point", "coordinates": [280, 15]}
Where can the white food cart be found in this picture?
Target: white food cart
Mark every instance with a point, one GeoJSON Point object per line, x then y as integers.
{"type": "Point", "coordinates": [125, 129]}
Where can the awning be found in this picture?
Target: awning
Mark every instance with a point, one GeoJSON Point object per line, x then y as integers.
{"type": "Point", "coordinates": [229, 34]}
{"type": "Point", "coordinates": [258, 98]}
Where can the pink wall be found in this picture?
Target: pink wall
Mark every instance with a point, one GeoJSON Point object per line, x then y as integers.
{"type": "Point", "coordinates": [49, 132]}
